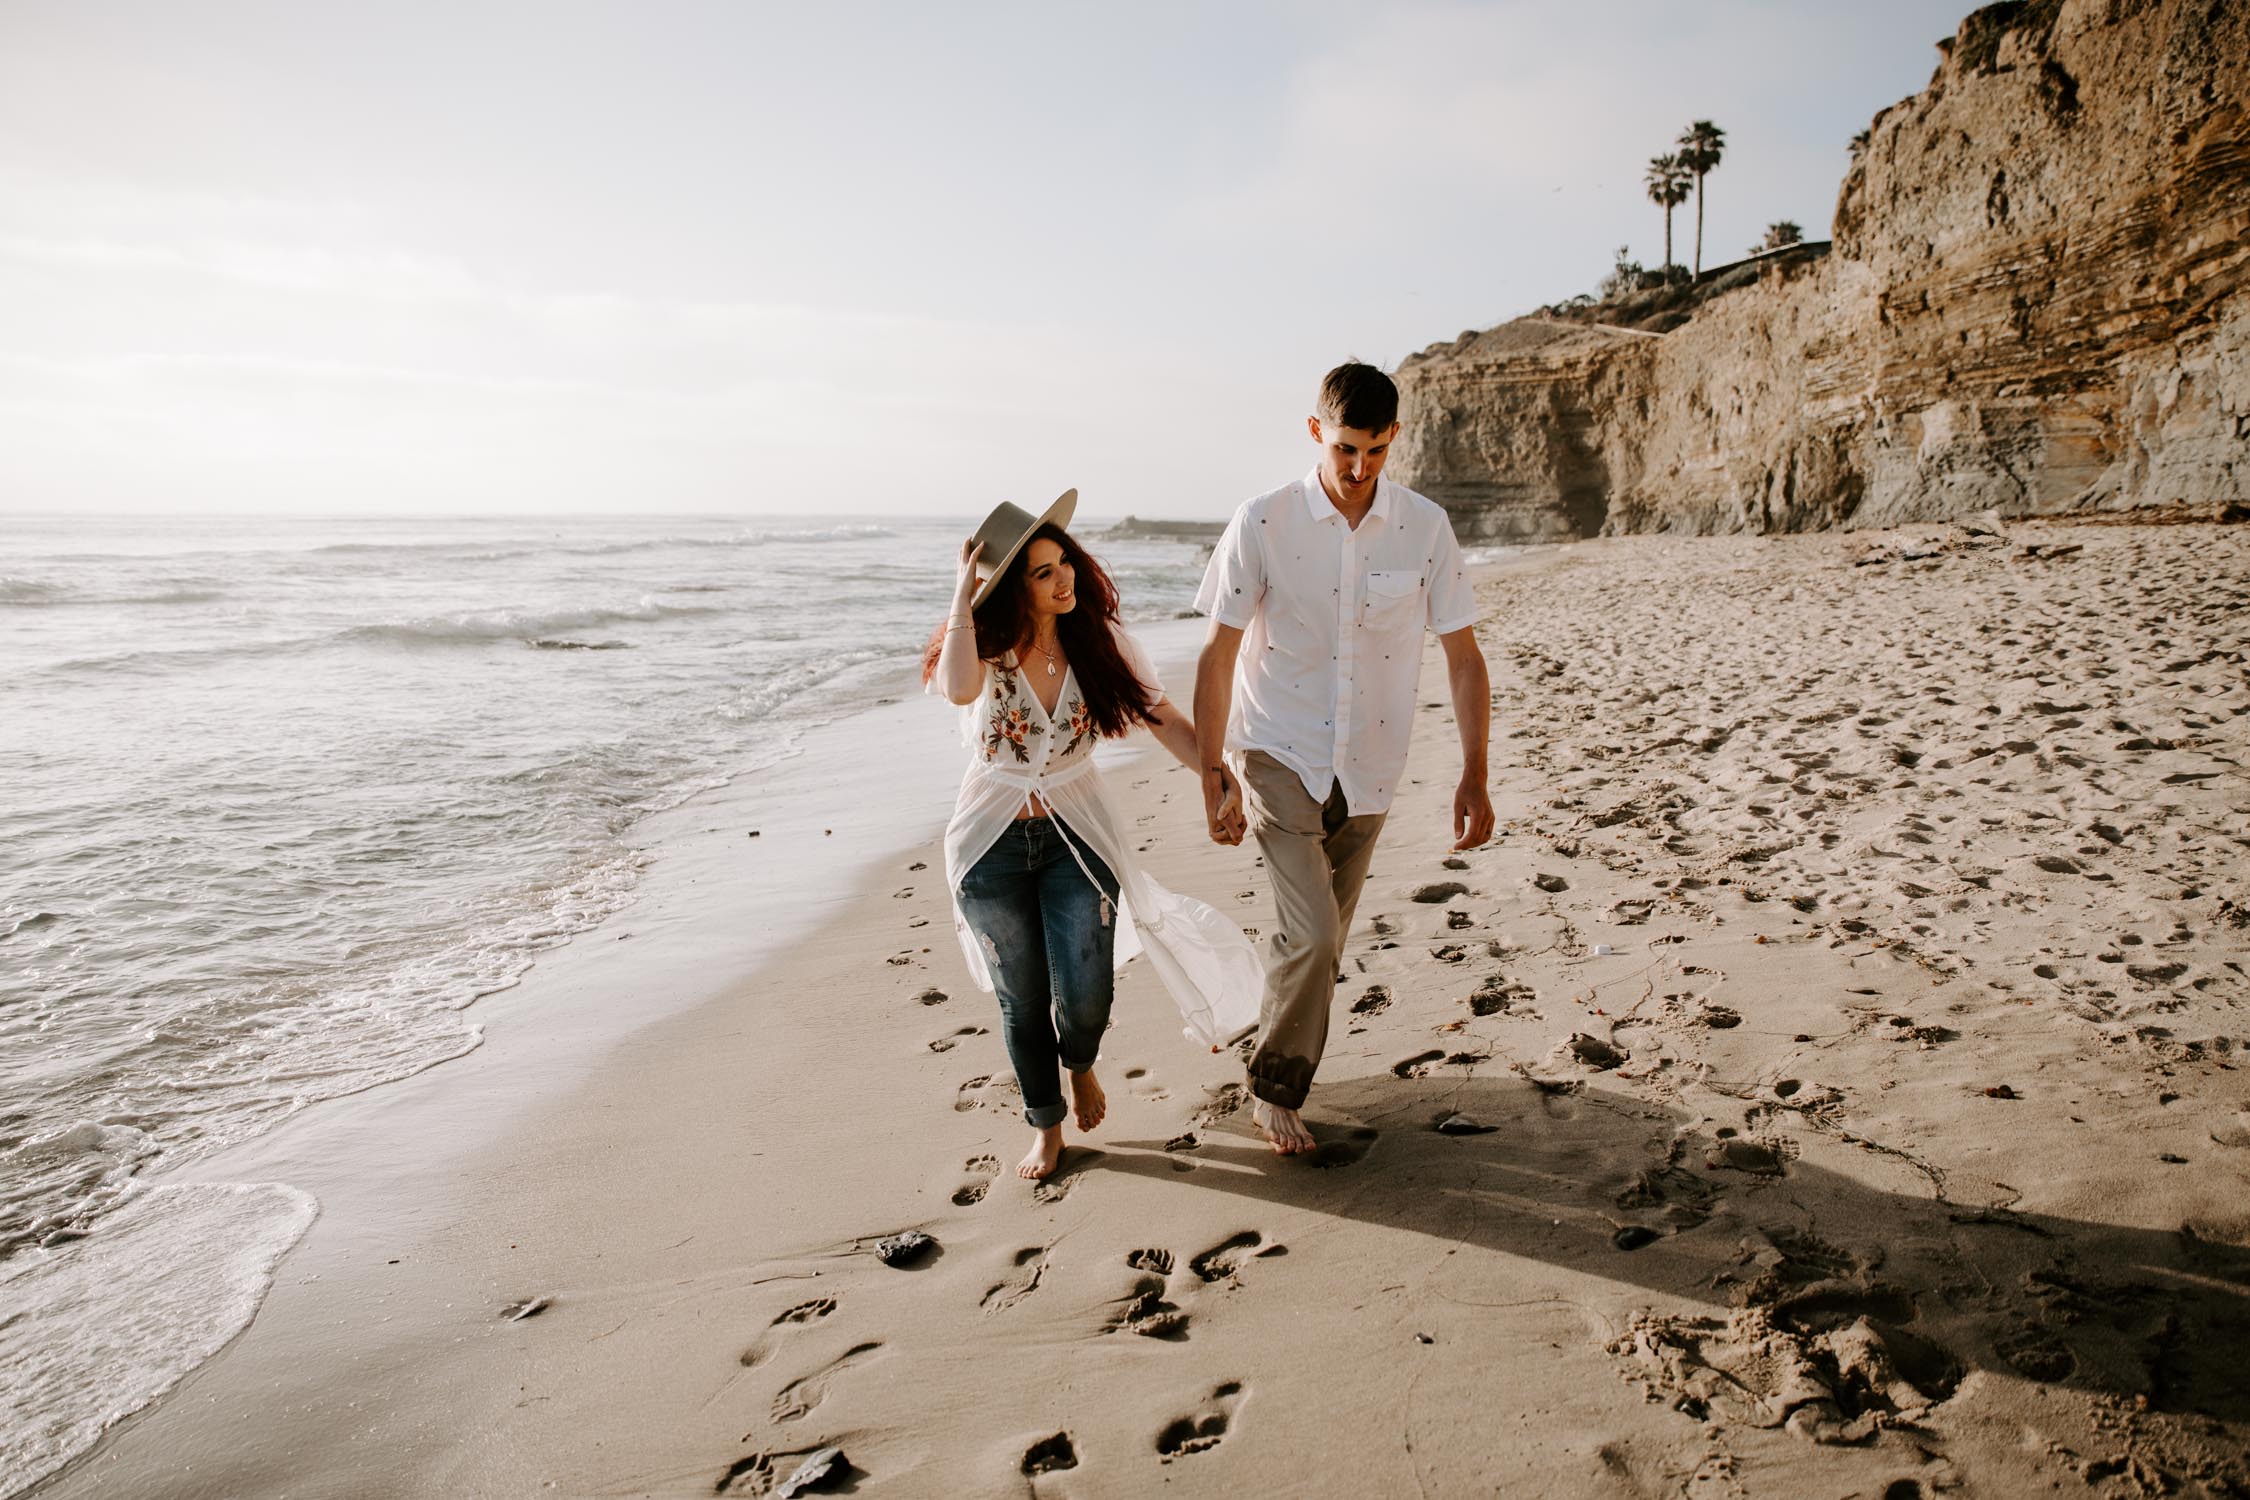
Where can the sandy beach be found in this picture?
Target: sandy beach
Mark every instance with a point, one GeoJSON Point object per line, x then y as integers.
{"type": "Point", "coordinates": [1829, 1083]}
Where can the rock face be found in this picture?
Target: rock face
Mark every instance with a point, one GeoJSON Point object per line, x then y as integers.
{"type": "Point", "coordinates": [2036, 302]}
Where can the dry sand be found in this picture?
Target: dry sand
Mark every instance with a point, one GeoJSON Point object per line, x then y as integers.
{"type": "Point", "coordinates": [1840, 1053]}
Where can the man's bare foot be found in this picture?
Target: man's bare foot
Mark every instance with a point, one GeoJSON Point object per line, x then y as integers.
{"type": "Point", "coordinates": [1046, 1150]}
{"type": "Point", "coordinates": [1087, 1097]}
{"type": "Point", "coordinates": [1285, 1128]}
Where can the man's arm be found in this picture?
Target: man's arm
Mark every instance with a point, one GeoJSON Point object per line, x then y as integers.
{"type": "Point", "coordinates": [1472, 711]}
{"type": "Point", "coordinates": [1214, 700]}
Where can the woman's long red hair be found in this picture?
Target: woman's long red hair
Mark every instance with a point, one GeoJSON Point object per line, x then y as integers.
{"type": "Point", "coordinates": [1116, 699]}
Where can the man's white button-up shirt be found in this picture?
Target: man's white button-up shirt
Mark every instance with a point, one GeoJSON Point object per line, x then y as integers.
{"type": "Point", "coordinates": [1332, 620]}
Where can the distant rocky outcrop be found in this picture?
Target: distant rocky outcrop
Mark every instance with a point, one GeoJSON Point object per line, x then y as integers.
{"type": "Point", "coordinates": [2035, 303]}
{"type": "Point", "coordinates": [1133, 528]}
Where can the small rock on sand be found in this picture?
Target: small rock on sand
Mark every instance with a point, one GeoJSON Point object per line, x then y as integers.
{"type": "Point", "coordinates": [904, 1248]}
{"type": "Point", "coordinates": [1443, 890]}
{"type": "Point", "coordinates": [1459, 1124]}
{"type": "Point", "coordinates": [824, 1468]}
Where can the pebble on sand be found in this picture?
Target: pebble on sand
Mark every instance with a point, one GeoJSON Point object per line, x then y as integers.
{"type": "Point", "coordinates": [825, 1467]}
{"type": "Point", "coordinates": [904, 1248]}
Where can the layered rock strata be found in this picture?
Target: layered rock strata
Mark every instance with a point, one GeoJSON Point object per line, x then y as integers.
{"type": "Point", "coordinates": [2036, 303]}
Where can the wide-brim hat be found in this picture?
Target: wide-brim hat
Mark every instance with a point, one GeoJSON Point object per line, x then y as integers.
{"type": "Point", "coordinates": [1005, 533]}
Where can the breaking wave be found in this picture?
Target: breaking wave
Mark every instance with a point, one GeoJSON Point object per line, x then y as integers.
{"type": "Point", "coordinates": [538, 626]}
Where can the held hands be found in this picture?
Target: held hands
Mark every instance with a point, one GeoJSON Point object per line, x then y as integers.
{"type": "Point", "coordinates": [1472, 813]}
{"type": "Point", "coordinates": [1222, 806]}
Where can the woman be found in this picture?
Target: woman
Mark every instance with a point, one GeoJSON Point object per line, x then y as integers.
{"type": "Point", "coordinates": [1041, 875]}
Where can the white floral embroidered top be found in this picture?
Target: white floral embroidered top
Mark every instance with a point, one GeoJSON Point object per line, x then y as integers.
{"type": "Point", "coordinates": [1018, 750]}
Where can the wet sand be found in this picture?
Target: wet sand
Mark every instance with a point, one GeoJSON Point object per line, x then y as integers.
{"type": "Point", "coordinates": [1829, 1083]}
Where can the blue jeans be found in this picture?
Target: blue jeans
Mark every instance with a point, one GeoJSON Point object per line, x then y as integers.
{"type": "Point", "coordinates": [1047, 936]}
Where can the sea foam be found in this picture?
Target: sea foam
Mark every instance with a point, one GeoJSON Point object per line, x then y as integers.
{"type": "Point", "coordinates": [104, 1325]}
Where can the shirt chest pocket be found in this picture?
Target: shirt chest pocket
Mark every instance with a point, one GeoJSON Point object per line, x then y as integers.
{"type": "Point", "coordinates": [1393, 598]}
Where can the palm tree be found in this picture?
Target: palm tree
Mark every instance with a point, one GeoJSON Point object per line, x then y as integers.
{"type": "Point", "coordinates": [1701, 146]}
{"type": "Point", "coordinates": [1782, 234]}
{"type": "Point", "coordinates": [1667, 181]}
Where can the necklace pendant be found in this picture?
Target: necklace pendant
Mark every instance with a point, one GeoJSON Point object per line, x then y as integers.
{"type": "Point", "coordinates": [1050, 669]}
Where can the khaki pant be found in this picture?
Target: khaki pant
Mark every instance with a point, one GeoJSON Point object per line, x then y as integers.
{"type": "Point", "coordinates": [1318, 858]}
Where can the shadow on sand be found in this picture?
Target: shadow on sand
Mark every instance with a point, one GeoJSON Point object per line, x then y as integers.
{"type": "Point", "coordinates": [1812, 1298]}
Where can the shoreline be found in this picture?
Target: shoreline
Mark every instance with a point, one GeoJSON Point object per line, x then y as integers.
{"type": "Point", "coordinates": [826, 819]}
{"type": "Point", "coordinates": [1700, 1132]}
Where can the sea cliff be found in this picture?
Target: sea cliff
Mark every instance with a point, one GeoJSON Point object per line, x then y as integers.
{"type": "Point", "coordinates": [2035, 303]}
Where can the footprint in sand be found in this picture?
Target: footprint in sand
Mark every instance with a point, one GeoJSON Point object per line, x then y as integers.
{"type": "Point", "coordinates": [1224, 1101]}
{"type": "Point", "coordinates": [987, 1091]}
{"type": "Point", "coordinates": [1030, 1270]}
{"type": "Point", "coordinates": [1057, 1186]}
{"type": "Point", "coordinates": [798, 1398]}
{"type": "Point", "coordinates": [1590, 1051]}
{"type": "Point", "coordinates": [1340, 1152]}
{"type": "Point", "coordinates": [981, 1169]}
{"type": "Point", "coordinates": [1224, 1260]}
{"type": "Point", "coordinates": [1683, 1199]}
{"type": "Point", "coordinates": [1374, 1002]}
{"type": "Point", "coordinates": [1049, 1455]}
{"type": "Point", "coordinates": [1145, 1312]}
{"type": "Point", "coordinates": [1144, 1087]}
{"type": "Point", "coordinates": [948, 1043]}
{"type": "Point", "coordinates": [795, 1317]}
{"type": "Point", "coordinates": [1202, 1429]}
{"type": "Point", "coordinates": [1159, 1261]}
{"type": "Point", "coordinates": [1498, 996]}
{"type": "Point", "coordinates": [1417, 1066]}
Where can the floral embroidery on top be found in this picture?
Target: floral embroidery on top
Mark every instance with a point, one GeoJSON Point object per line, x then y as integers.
{"type": "Point", "coordinates": [1080, 723]}
{"type": "Point", "coordinates": [1009, 723]}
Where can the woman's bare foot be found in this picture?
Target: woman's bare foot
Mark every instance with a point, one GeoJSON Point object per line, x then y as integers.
{"type": "Point", "coordinates": [1087, 1097]}
{"type": "Point", "coordinates": [1284, 1128]}
{"type": "Point", "coordinates": [1046, 1150]}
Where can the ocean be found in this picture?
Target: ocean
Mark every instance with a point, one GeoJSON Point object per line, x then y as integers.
{"type": "Point", "coordinates": [281, 800]}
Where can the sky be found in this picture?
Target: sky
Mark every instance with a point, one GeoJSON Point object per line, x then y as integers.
{"type": "Point", "coordinates": [691, 257]}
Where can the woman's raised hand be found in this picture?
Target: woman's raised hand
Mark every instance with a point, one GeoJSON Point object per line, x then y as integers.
{"type": "Point", "coordinates": [965, 587]}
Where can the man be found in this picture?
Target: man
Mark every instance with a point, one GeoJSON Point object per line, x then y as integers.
{"type": "Point", "coordinates": [1318, 596]}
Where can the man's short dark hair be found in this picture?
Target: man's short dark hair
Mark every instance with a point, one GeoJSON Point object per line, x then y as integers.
{"type": "Point", "coordinates": [1357, 395]}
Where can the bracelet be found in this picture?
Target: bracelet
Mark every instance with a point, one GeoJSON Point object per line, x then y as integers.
{"type": "Point", "coordinates": [951, 628]}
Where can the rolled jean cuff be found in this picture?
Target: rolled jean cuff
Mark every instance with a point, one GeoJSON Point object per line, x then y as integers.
{"type": "Point", "coordinates": [1280, 1095]}
{"type": "Point", "coordinates": [1281, 1081]}
{"type": "Point", "coordinates": [1045, 1115]}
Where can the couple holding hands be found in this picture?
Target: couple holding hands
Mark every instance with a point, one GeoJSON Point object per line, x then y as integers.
{"type": "Point", "coordinates": [1317, 596]}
